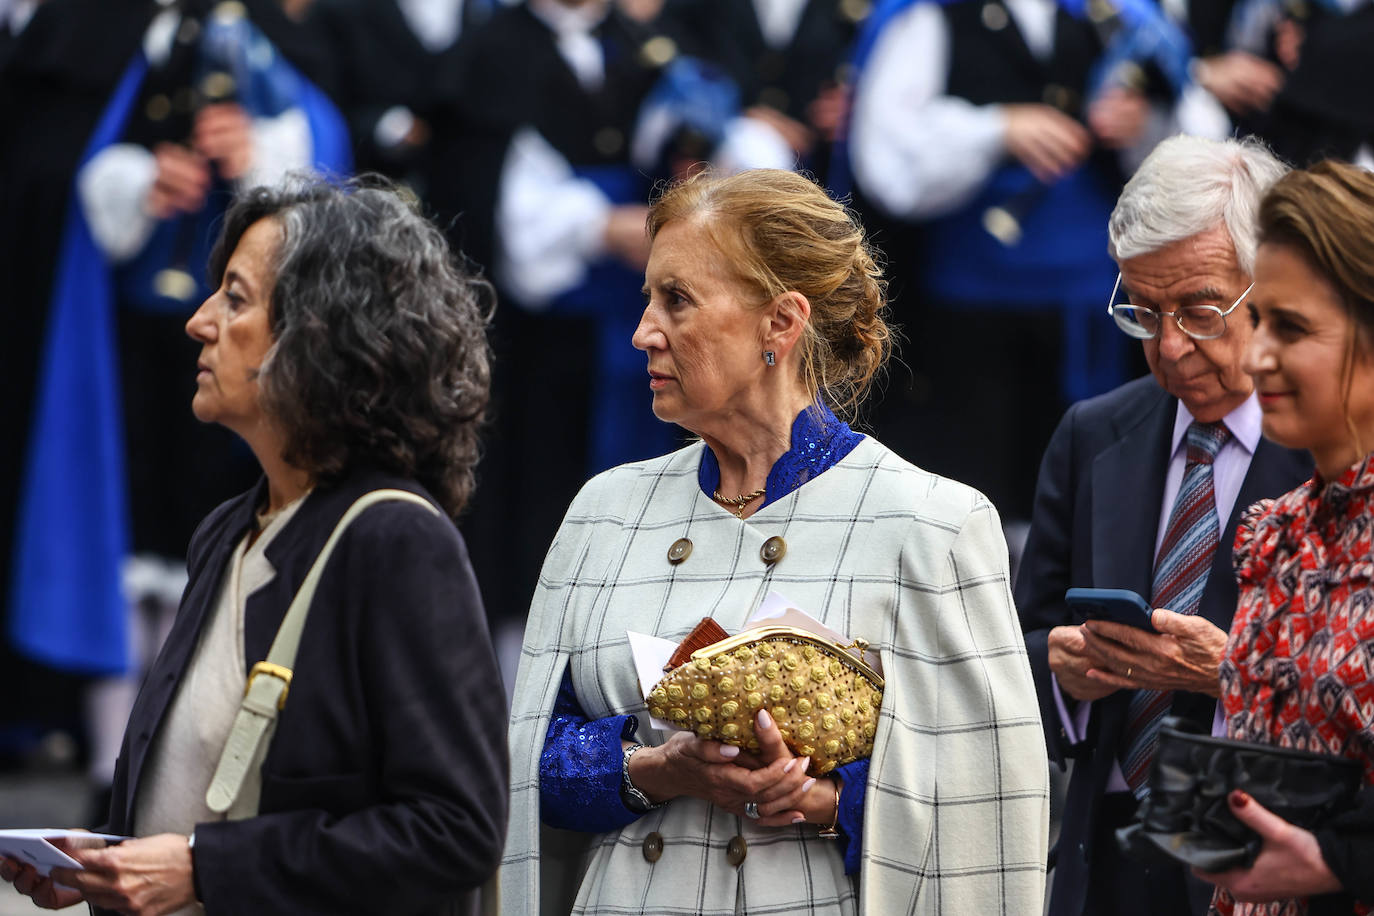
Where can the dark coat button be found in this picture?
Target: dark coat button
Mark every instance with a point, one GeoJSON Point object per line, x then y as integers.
{"type": "Point", "coordinates": [653, 847]}
{"type": "Point", "coordinates": [681, 550]}
{"type": "Point", "coordinates": [158, 108]}
{"type": "Point", "coordinates": [855, 11]}
{"type": "Point", "coordinates": [773, 550]}
{"type": "Point", "coordinates": [994, 17]}
{"type": "Point", "coordinates": [658, 51]}
{"type": "Point", "coordinates": [736, 850]}
{"type": "Point", "coordinates": [608, 141]}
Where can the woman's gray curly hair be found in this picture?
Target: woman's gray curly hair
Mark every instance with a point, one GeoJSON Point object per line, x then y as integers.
{"type": "Point", "coordinates": [380, 356]}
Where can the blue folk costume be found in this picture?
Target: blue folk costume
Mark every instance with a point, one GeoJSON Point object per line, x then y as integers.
{"type": "Point", "coordinates": [622, 427]}
{"type": "Point", "coordinates": [695, 100]}
{"type": "Point", "coordinates": [67, 607]}
{"type": "Point", "coordinates": [991, 290]}
{"type": "Point", "coordinates": [1053, 248]}
{"type": "Point", "coordinates": [572, 384]}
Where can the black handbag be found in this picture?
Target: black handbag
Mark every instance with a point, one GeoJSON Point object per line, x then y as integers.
{"type": "Point", "coordinates": [1186, 818]}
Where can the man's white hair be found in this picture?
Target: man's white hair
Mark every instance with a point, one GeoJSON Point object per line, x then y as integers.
{"type": "Point", "coordinates": [1188, 185]}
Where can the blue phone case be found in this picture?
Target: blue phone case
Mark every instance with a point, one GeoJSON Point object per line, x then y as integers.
{"type": "Point", "coordinates": [1119, 605]}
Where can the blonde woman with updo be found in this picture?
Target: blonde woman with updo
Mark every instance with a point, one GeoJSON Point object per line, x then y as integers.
{"type": "Point", "coordinates": [763, 326]}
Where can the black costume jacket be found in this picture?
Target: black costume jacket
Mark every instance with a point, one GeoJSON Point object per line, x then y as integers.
{"type": "Point", "coordinates": [384, 790]}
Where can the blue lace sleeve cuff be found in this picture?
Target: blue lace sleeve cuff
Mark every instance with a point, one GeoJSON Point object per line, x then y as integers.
{"type": "Point", "coordinates": [579, 768]}
{"type": "Point", "coordinates": [851, 819]}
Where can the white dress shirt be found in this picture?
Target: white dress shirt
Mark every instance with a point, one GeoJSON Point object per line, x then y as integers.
{"type": "Point", "coordinates": [778, 20]}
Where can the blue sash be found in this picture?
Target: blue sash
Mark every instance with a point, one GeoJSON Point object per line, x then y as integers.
{"type": "Point", "coordinates": [1145, 36]}
{"type": "Point", "coordinates": [624, 427]}
{"type": "Point", "coordinates": [67, 609]}
{"type": "Point", "coordinates": [1061, 257]}
{"type": "Point", "coordinates": [1061, 260]}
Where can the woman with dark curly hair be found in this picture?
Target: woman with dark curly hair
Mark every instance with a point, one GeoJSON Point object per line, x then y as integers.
{"type": "Point", "coordinates": [362, 769]}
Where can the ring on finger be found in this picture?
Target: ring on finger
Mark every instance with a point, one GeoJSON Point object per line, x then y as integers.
{"type": "Point", "coordinates": [751, 810]}
{"type": "Point", "coordinates": [1129, 669]}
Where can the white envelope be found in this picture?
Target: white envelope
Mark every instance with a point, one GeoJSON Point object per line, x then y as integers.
{"type": "Point", "coordinates": [33, 846]}
{"type": "Point", "coordinates": [651, 653]}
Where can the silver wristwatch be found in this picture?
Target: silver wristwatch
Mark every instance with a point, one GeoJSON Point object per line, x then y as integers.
{"type": "Point", "coordinates": [630, 794]}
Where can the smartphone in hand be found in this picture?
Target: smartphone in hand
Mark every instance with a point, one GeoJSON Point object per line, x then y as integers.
{"type": "Point", "coordinates": [1119, 605]}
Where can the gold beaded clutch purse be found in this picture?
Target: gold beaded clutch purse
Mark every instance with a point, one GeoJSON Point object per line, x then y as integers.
{"type": "Point", "coordinates": [823, 698]}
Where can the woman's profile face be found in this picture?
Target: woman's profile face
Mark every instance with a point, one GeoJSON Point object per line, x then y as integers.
{"type": "Point", "coordinates": [1297, 357]}
{"type": "Point", "coordinates": [701, 337]}
{"type": "Point", "coordinates": [233, 327]}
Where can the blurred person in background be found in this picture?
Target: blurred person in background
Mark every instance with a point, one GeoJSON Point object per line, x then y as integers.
{"type": "Point", "coordinates": [348, 351]}
{"type": "Point", "coordinates": [392, 58]}
{"type": "Point", "coordinates": [1291, 72]}
{"type": "Point", "coordinates": [211, 96]}
{"type": "Point", "coordinates": [1297, 665]}
{"type": "Point", "coordinates": [988, 141]}
{"type": "Point", "coordinates": [789, 58]}
{"type": "Point", "coordinates": [64, 57]}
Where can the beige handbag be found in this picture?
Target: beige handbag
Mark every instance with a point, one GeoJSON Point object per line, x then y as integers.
{"type": "Point", "coordinates": [234, 790]}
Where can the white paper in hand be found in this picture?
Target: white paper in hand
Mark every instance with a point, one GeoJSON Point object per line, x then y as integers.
{"type": "Point", "coordinates": [650, 654]}
{"type": "Point", "coordinates": [33, 846]}
{"type": "Point", "coordinates": [777, 611]}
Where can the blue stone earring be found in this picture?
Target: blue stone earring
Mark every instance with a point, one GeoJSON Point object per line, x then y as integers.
{"type": "Point", "coordinates": [769, 358]}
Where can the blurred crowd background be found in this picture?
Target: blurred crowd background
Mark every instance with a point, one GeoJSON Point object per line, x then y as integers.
{"type": "Point", "coordinates": [981, 141]}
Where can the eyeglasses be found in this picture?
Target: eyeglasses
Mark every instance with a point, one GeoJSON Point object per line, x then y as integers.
{"type": "Point", "coordinates": [1200, 322]}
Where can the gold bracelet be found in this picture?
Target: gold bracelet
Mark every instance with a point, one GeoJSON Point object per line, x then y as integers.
{"type": "Point", "coordinates": [832, 831]}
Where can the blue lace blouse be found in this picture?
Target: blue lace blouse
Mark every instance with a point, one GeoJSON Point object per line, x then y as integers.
{"type": "Point", "coordinates": [580, 766]}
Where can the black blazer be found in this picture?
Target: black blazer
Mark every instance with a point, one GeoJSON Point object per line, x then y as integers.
{"type": "Point", "coordinates": [384, 790]}
{"type": "Point", "coordinates": [1094, 522]}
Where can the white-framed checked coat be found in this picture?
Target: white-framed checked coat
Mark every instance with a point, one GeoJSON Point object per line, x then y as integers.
{"type": "Point", "coordinates": [956, 810]}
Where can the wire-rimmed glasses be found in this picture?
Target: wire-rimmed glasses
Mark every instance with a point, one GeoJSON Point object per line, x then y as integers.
{"type": "Point", "coordinates": [1200, 322]}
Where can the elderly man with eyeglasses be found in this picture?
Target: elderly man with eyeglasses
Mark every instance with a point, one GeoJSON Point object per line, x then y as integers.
{"type": "Point", "coordinates": [1141, 489]}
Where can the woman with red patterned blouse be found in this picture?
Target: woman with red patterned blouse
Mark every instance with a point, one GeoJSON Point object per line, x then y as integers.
{"type": "Point", "coordinates": [1299, 665]}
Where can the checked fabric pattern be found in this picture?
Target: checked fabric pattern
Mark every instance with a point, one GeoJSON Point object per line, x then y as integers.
{"type": "Point", "coordinates": [1185, 556]}
{"type": "Point", "coordinates": [955, 816]}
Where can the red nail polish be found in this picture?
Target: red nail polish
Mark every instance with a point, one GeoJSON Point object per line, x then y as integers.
{"type": "Point", "coordinates": [1239, 799]}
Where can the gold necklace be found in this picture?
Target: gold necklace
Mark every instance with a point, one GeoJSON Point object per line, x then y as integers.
{"type": "Point", "coordinates": [739, 502]}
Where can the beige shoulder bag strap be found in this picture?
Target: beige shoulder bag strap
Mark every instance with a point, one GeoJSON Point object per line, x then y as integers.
{"type": "Point", "coordinates": [265, 693]}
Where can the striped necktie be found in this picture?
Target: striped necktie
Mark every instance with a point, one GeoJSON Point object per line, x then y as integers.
{"type": "Point", "coordinates": [1185, 557]}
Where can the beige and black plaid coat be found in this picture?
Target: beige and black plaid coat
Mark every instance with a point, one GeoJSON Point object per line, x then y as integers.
{"type": "Point", "coordinates": [956, 806]}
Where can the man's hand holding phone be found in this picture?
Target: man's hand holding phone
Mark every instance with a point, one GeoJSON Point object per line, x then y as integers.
{"type": "Point", "coordinates": [1123, 645]}
{"type": "Point", "coordinates": [1184, 653]}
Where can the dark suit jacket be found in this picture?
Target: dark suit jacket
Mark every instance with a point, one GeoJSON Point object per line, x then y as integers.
{"type": "Point", "coordinates": [1096, 515]}
{"type": "Point", "coordinates": [384, 790]}
{"type": "Point", "coordinates": [789, 79]}
{"type": "Point", "coordinates": [381, 63]}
